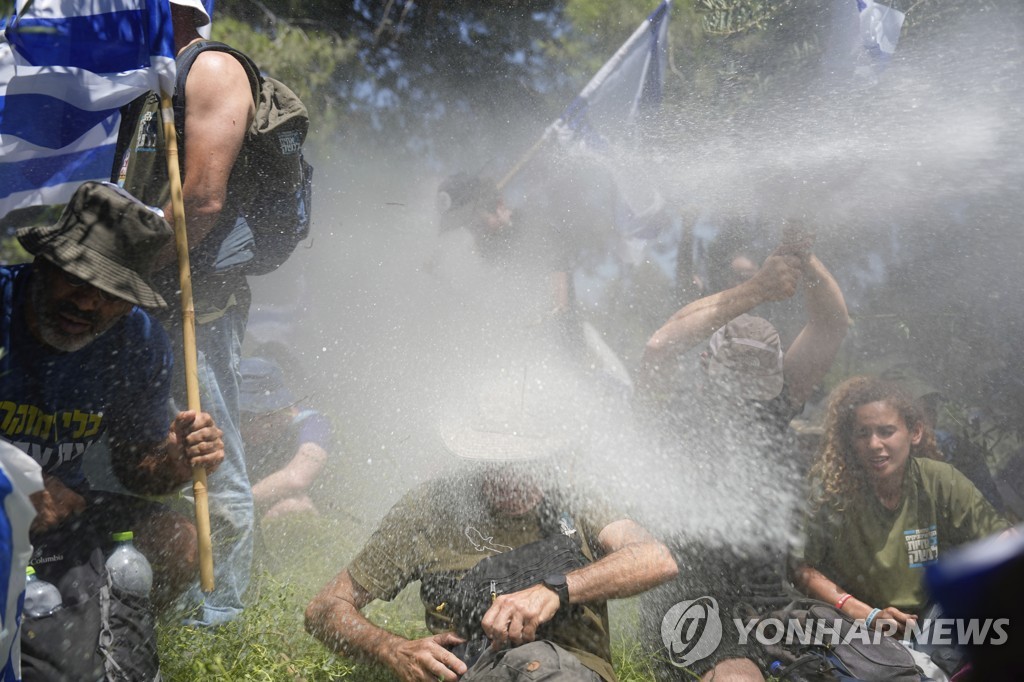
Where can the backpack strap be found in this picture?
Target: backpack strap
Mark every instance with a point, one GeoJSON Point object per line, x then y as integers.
{"type": "Point", "coordinates": [183, 64]}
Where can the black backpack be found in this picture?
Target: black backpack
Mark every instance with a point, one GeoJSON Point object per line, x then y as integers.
{"type": "Point", "coordinates": [881, 658]}
{"type": "Point", "coordinates": [277, 180]}
{"type": "Point", "coordinates": [97, 634]}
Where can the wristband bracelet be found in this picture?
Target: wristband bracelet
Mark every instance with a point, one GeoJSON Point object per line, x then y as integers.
{"type": "Point", "coordinates": [842, 600]}
{"type": "Point", "coordinates": [871, 618]}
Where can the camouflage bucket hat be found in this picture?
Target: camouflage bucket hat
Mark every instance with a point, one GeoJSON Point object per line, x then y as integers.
{"type": "Point", "coordinates": [106, 237]}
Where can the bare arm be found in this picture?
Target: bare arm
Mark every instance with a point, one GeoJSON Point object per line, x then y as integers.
{"type": "Point", "coordinates": [193, 440]}
{"type": "Point", "coordinates": [634, 561]}
{"type": "Point", "coordinates": [815, 584]}
{"type": "Point", "coordinates": [54, 504]}
{"type": "Point", "coordinates": [696, 322]}
{"type": "Point", "coordinates": [219, 109]}
{"type": "Point", "coordinates": [295, 478]}
{"type": "Point", "coordinates": [811, 354]}
{"type": "Point", "coordinates": [334, 617]}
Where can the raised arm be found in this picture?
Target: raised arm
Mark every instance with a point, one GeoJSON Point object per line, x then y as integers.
{"type": "Point", "coordinates": [811, 354]}
{"type": "Point", "coordinates": [776, 280]}
{"type": "Point", "coordinates": [633, 562]}
{"type": "Point", "coordinates": [334, 617]}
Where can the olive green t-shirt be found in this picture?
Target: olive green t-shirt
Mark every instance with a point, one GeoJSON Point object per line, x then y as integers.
{"type": "Point", "coordinates": [879, 555]}
{"type": "Point", "coordinates": [443, 528]}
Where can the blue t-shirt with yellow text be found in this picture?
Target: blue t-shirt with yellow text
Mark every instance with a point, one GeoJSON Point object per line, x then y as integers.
{"type": "Point", "coordinates": [54, 405]}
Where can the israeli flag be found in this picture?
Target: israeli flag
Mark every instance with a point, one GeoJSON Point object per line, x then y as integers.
{"type": "Point", "coordinates": [66, 68]}
{"type": "Point", "coordinates": [20, 476]}
{"type": "Point", "coordinates": [610, 110]}
{"type": "Point", "coordinates": [628, 84]}
{"type": "Point", "coordinates": [880, 28]}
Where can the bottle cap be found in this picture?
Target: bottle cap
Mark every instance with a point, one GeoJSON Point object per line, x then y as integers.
{"type": "Point", "coordinates": [29, 570]}
{"type": "Point", "coordinates": [122, 536]}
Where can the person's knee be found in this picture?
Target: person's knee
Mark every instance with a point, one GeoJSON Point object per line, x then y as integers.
{"type": "Point", "coordinates": [170, 542]}
{"type": "Point", "coordinates": [734, 670]}
{"type": "Point", "coordinates": [300, 504]}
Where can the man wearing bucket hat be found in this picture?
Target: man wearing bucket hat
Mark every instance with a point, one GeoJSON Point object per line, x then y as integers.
{"type": "Point", "coordinates": [501, 513]}
{"type": "Point", "coordinates": [81, 359]}
{"type": "Point", "coordinates": [218, 112]}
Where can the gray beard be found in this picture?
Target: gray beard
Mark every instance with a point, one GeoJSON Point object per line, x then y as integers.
{"type": "Point", "coordinates": [49, 330]}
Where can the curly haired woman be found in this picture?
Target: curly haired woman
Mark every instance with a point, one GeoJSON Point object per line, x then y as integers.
{"type": "Point", "coordinates": [884, 507]}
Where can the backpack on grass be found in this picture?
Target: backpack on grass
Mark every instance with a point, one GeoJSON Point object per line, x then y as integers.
{"type": "Point", "coordinates": [97, 634]}
{"type": "Point", "coordinates": [276, 179]}
{"type": "Point", "coordinates": [851, 659]}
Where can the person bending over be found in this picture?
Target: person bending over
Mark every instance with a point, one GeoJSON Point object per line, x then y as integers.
{"type": "Point", "coordinates": [83, 359]}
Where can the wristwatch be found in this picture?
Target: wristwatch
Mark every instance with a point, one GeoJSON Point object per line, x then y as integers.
{"type": "Point", "coordinates": [560, 586]}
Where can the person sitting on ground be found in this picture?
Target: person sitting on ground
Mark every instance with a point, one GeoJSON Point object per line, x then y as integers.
{"type": "Point", "coordinates": [82, 359]}
{"type": "Point", "coordinates": [286, 445]}
{"type": "Point", "coordinates": [968, 457]}
{"type": "Point", "coordinates": [884, 507]}
{"type": "Point", "coordinates": [732, 433]}
{"type": "Point", "coordinates": [503, 499]}
{"type": "Point", "coordinates": [790, 267]}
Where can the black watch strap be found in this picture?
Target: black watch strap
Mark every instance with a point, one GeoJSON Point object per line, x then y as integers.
{"type": "Point", "coordinates": [560, 586]}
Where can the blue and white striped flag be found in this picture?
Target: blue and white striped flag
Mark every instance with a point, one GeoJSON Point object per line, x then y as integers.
{"type": "Point", "coordinates": [628, 84]}
{"type": "Point", "coordinates": [66, 67]}
{"type": "Point", "coordinates": [880, 28]}
{"type": "Point", "coordinates": [610, 110]}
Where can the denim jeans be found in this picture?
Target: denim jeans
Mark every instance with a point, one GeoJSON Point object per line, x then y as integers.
{"type": "Point", "coordinates": [219, 345]}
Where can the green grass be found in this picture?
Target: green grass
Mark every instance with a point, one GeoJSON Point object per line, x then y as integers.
{"type": "Point", "coordinates": [269, 643]}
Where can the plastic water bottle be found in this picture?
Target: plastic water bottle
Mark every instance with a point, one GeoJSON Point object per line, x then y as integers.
{"type": "Point", "coordinates": [41, 598]}
{"type": "Point", "coordinates": [129, 570]}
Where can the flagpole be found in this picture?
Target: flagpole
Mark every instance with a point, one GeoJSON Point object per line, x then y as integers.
{"type": "Point", "coordinates": [524, 159]}
{"type": "Point", "coordinates": [591, 87]}
{"type": "Point", "coordinates": [188, 328]}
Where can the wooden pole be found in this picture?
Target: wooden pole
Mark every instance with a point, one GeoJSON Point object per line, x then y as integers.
{"type": "Point", "coordinates": [188, 330]}
{"type": "Point", "coordinates": [524, 159]}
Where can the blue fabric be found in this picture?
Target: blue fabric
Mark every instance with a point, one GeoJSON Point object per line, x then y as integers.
{"type": "Point", "coordinates": [6, 565]}
{"type": "Point", "coordinates": [69, 68]}
{"type": "Point", "coordinates": [273, 454]}
{"type": "Point", "coordinates": [55, 405]}
{"type": "Point", "coordinates": [230, 495]}
{"type": "Point", "coordinates": [314, 427]}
